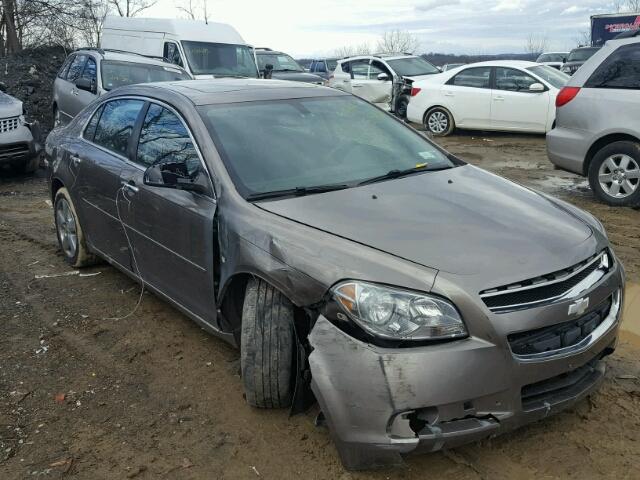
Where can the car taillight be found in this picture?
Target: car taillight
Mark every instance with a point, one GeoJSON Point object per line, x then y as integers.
{"type": "Point", "coordinates": [566, 95]}
{"type": "Point", "coordinates": [415, 91]}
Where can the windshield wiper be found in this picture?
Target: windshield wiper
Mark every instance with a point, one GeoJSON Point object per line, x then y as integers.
{"type": "Point", "coordinates": [297, 191]}
{"type": "Point", "coordinates": [401, 173]}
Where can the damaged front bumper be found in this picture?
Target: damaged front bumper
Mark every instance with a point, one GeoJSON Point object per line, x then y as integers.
{"type": "Point", "coordinates": [381, 403]}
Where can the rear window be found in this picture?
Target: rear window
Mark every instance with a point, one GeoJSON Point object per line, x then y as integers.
{"type": "Point", "coordinates": [117, 74]}
{"type": "Point", "coordinates": [115, 124]}
{"type": "Point", "coordinates": [620, 70]}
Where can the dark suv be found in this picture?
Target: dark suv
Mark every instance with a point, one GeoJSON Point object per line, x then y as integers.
{"type": "Point", "coordinates": [576, 58]}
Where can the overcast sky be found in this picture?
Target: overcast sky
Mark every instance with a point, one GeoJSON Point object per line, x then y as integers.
{"type": "Point", "coordinates": [309, 28]}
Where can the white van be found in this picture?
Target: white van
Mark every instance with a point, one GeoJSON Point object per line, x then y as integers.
{"type": "Point", "coordinates": [206, 50]}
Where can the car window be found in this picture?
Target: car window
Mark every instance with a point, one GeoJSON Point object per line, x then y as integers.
{"type": "Point", "coordinates": [360, 69]}
{"type": "Point", "coordinates": [552, 75]}
{"type": "Point", "coordinates": [280, 62]}
{"type": "Point", "coordinates": [89, 71]}
{"type": "Point", "coordinates": [221, 59]}
{"type": "Point", "coordinates": [346, 67]}
{"type": "Point", "coordinates": [172, 53]}
{"type": "Point", "coordinates": [164, 138]}
{"type": "Point", "coordinates": [116, 124]}
{"type": "Point", "coordinates": [320, 67]}
{"type": "Point", "coordinates": [331, 64]}
{"type": "Point", "coordinates": [477, 77]}
{"type": "Point", "coordinates": [90, 129]}
{"type": "Point", "coordinates": [116, 74]}
{"type": "Point", "coordinates": [513, 80]}
{"type": "Point", "coordinates": [376, 68]}
{"type": "Point", "coordinates": [620, 70]}
{"type": "Point", "coordinates": [76, 67]}
{"type": "Point", "coordinates": [65, 67]}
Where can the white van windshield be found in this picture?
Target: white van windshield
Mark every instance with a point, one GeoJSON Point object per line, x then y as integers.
{"type": "Point", "coordinates": [220, 59]}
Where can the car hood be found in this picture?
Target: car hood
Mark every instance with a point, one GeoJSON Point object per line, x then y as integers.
{"type": "Point", "coordinates": [297, 77]}
{"type": "Point", "coordinates": [462, 220]}
{"type": "Point", "coordinates": [9, 106]}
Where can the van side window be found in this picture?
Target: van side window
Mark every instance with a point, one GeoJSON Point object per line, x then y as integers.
{"type": "Point", "coordinates": [116, 125]}
{"type": "Point", "coordinates": [172, 53]}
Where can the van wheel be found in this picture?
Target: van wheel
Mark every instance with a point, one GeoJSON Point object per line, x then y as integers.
{"type": "Point", "coordinates": [69, 232]}
{"type": "Point", "coordinates": [439, 122]}
{"type": "Point", "coordinates": [614, 174]}
{"type": "Point", "coordinates": [266, 346]}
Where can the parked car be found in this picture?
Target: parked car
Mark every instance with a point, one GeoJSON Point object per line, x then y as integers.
{"type": "Point", "coordinates": [283, 67]}
{"type": "Point", "coordinates": [205, 50]}
{"type": "Point", "coordinates": [20, 139]}
{"type": "Point", "coordinates": [576, 58]}
{"type": "Point", "coordinates": [373, 77]}
{"type": "Point", "coordinates": [323, 67]}
{"type": "Point", "coordinates": [426, 302]}
{"type": "Point", "coordinates": [597, 132]}
{"type": "Point", "coordinates": [450, 66]}
{"type": "Point", "coordinates": [88, 73]}
{"type": "Point", "coordinates": [553, 59]}
{"type": "Point", "coordinates": [501, 95]}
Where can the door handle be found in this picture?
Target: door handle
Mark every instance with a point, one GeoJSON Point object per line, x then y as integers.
{"type": "Point", "coordinates": [448, 94]}
{"type": "Point", "coordinates": [356, 86]}
{"type": "Point", "coordinates": [76, 159]}
{"type": "Point", "coordinates": [498, 99]}
{"type": "Point", "coordinates": [131, 186]}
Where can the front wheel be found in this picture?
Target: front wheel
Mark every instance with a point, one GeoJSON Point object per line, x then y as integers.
{"type": "Point", "coordinates": [614, 174]}
{"type": "Point", "coordinates": [69, 231]}
{"type": "Point", "coordinates": [267, 346]}
{"type": "Point", "coordinates": [401, 107]}
{"type": "Point", "coordinates": [439, 122]}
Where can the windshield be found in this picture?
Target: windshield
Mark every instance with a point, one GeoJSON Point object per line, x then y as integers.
{"type": "Point", "coordinates": [117, 74]}
{"type": "Point", "coordinates": [581, 54]}
{"type": "Point", "coordinates": [280, 61]}
{"type": "Point", "coordinates": [551, 75]}
{"type": "Point", "coordinates": [310, 142]}
{"type": "Point", "coordinates": [412, 67]}
{"type": "Point", "coordinates": [220, 59]}
{"type": "Point", "coordinates": [552, 57]}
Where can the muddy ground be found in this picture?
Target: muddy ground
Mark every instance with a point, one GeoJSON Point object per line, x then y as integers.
{"type": "Point", "coordinates": [89, 392]}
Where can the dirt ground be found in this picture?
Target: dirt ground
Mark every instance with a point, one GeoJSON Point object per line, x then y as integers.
{"type": "Point", "coordinates": [86, 393]}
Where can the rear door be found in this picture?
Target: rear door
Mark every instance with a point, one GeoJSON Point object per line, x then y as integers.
{"type": "Point", "coordinates": [468, 96]}
{"type": "Point", "coordinates": [171, 230]}
{"type": "Point", "coordinates": [82, 98]}
{"type": "Point", "coordinates": [514, 106]}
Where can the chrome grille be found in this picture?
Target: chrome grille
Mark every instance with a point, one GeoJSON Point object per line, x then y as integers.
{"type": "Point", "coordinates": [546, 288]}
{"type": "Point", "coordinates": [8, 124]}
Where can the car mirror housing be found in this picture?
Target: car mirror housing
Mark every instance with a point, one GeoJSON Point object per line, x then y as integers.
{"type": "Point", "coordinates": [86, 84]}
{"type": "Point", "coordinates": [171, 175]}
{"type": "Point", "coordinates": [536, 87]}
{"type": "Point", "coordinates": [383, 77]}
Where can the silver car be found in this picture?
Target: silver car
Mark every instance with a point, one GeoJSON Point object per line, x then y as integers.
{"type": "Point", "coordinates": [90, 72]}
{"type": "Point", "coordinates": [597, 131]}
{"type": "Point", "coordinates": [425, 302]}
{"type": "Point", "coordinates": [20, 140]}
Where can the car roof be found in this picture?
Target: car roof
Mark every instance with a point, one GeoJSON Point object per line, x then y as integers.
{"type": "Point", "coordinates": [504, 63]}
{"type": "Point", "coordinates": [231, 90]}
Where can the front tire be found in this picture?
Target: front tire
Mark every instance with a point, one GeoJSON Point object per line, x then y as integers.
{"type": "Point", "coordinates": [401, 107]}
{"type": "Point", "coordinates": [614, 174]}
{"type": "Point", "coordinates": [69, 232]}
{"type": "Point", "coordinates": [266, 346]}
{"type": "Point", "coordinates": [439, 122]}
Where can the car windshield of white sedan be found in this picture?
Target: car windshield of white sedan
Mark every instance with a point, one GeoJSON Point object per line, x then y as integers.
{"type": "Point", "coordinates": [117, 74]}
{"type": "Point", "coordinates": [551, 75]}
{"type": "Point", "coordinates": [272, 146]}
{"type": "Point", "coordinates": [412, 67]}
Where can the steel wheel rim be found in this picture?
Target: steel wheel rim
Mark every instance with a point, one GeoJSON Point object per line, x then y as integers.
{"type": "Point", "coordinates": [438, 122]}
{"type": "Point", "coordinates": [67, 229]}
{"type": "Point", "coordinates": [619, 176]}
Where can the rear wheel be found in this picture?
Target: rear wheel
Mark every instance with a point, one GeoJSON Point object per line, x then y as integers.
{"type": "Point", "coordinates": [439, 122]}
{"type": "Point", "coordinates": [614, 174]}
{"type": "Point", "coordinates": [267, 346]}
{"type": "Point", "coordinates": [69, 232]}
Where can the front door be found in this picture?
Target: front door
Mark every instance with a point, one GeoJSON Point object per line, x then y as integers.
{"type": "Point", "coordinates": [67, 92]}
{"type": "Point", "coordinates": [365, 82]}
{"type": "Point", "coordinates": [514, 106]}
{"type": "Point", "coordinates": [171, 230]}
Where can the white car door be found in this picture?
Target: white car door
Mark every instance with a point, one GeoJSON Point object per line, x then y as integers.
{"type": "Point", "coordinates": [514, 106]}
{"type": "Point", "coordinates": [341, 77]}
{"type": "Point", "coordinates": [365, 82]}
{"type": "Point", "coordinates": [467, 95]}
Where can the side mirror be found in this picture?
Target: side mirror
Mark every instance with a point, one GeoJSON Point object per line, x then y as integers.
{"type": "Point", "coordinates": [383, 77]}
{"type": "Point", "coordinates": [564, 60]}
{"type": "Point", "coordinates": [536, 87]}
{"type": "Point", "coordinates": [268, 70]}
{"type": "Point", "coordinates": [172, 175]}
{"type": "Point", "coordinates": [86, 85]}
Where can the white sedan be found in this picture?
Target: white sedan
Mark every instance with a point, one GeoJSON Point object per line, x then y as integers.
{"type": "Point", "coordinates": [514, 96]}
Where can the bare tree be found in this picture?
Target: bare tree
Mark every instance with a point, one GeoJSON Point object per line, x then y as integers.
{"type": "Point", "coordinates": [632, 6]}
{"type": "Point", "coordinates": [535, 44]}
{"type": "Point", "coordinates": [131, 8]}
{"type": "Point", "coordinates": [352, 50]}
{"type": "Point", "coordinates": [92, 15]}
{"type": "Point", "coordinates": [582, 38]}
{"type": "Point", "coordinates": [398, 41]}
{"type": "Point", "coordinates": [195, 9]}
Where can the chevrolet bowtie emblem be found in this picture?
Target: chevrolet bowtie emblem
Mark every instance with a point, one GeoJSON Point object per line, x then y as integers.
{"type": "Point", "coordinates": [579, 306]}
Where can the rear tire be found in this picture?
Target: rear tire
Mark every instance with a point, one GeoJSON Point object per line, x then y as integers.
{"type": "Point", "coordinates": [266, 346]}
{"type": "Point", "coordinates": [69, 232]}
{"type": "Point", "coordinates": [614, 174]}
{"type": "Point", "coordinates": [439, 122]}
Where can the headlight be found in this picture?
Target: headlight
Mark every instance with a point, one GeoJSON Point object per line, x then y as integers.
{"type": "Point", "coordinates": [398, 314]}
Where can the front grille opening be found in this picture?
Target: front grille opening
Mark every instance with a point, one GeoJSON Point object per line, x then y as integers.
{"type": "Point", "coordinates": [13, 151]}
{"type": "Point", "coordinates": [561, 387]}
{"type": "Point", "coordinates": [560, 335]}
{"type": "Point", "coordinates": [540, 289]}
